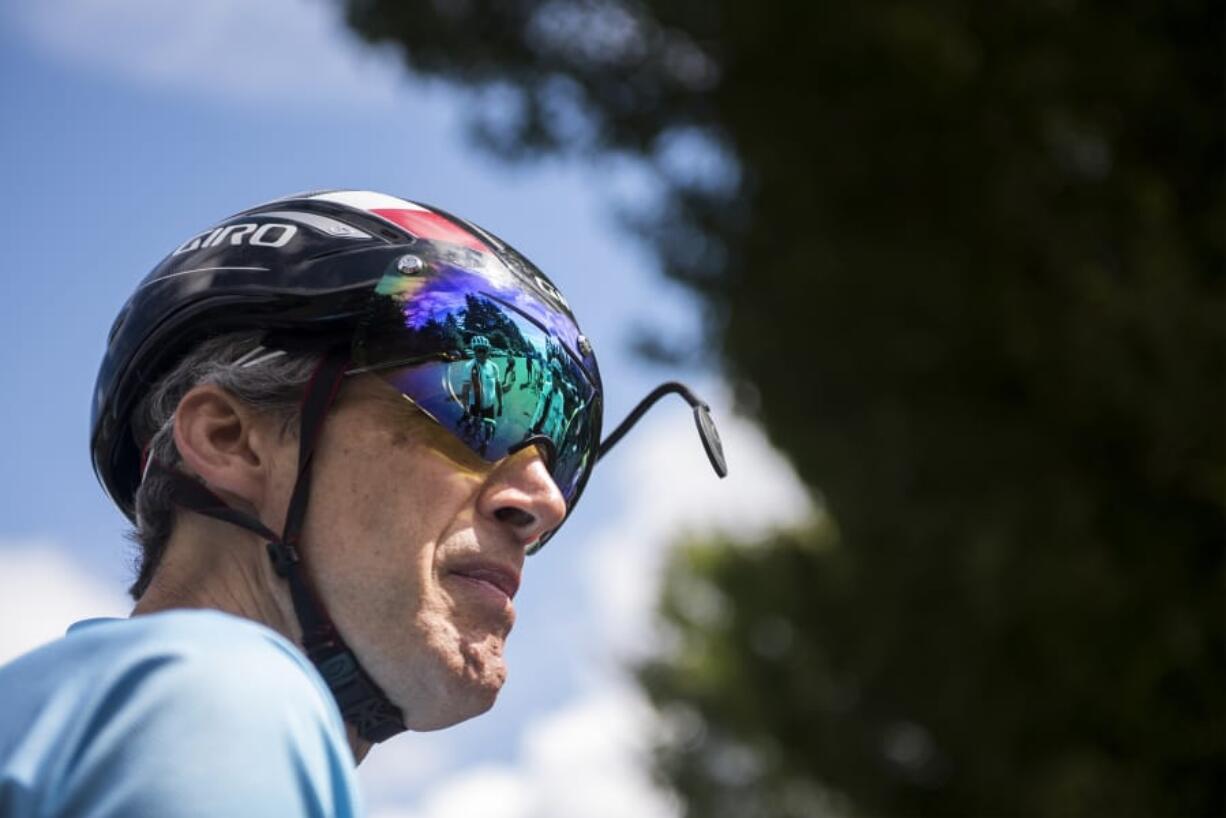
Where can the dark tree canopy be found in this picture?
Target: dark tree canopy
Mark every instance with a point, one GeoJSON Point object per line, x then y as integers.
{"type": "Point", "coordinates": [970, 258]}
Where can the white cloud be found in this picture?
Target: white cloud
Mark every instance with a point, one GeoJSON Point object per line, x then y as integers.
{"type": "Point", "coordinates": [43, 591]}
{"type": "Point", "coordinates": [489, 791]}
{"type": "Point", "coordinates": [397, 770]}
{"type": "Point", "coordinates": [271, 52]}
{"type": "Point", "coordinates": [670, 490]}
{"type": "Point", "coordinates": [585, 759]}
{"type": "Point", "coordinates": [590, 759]}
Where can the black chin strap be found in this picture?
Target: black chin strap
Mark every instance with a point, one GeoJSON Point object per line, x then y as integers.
{"type": "Point", "coordinates": [363, 704]}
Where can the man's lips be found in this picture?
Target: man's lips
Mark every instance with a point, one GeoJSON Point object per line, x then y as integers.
{"type": "Point", "coordinates": [504, 579]}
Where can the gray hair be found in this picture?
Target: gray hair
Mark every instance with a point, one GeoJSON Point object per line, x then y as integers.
{"type": "Point", "coordinates": [268, 381]}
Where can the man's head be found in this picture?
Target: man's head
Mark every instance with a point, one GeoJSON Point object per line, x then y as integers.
{"type": "Point", "coordinates": [403, 541]}
{"type": "Point", "coordinates": [414, 543]}
{"type": "Point", "coordinates": [291, 377]}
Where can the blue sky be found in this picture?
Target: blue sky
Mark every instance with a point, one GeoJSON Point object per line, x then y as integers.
{"type": "Point", "coordinates": [130, 125]}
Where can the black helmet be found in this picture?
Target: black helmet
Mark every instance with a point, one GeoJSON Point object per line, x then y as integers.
{"type": "Point", "coordinates": [309, 264]}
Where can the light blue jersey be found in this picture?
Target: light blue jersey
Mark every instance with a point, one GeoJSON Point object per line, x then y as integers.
{"type": "Point", "coordinates": [174, 714]}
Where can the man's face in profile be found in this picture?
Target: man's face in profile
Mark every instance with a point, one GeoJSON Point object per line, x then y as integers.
{"type": "Point", "coordinates": [417, 546]}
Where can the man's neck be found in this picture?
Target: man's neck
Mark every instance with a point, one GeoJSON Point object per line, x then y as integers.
{"type": "Point", "coordinates": [208, 564]}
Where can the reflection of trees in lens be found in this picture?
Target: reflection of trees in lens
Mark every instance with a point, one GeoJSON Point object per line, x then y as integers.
{"type": "Point", "coordinates": [481, 316]}
{"type": "Point", "coordinates": [380, 335]}
{"type": "Point", "coordinates": [440, 336]}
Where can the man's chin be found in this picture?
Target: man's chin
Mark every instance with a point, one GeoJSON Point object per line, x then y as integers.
{"type": "Point", "coordinates": [463, 705]}
{"type": "Point", "coordinates": [469, 692]}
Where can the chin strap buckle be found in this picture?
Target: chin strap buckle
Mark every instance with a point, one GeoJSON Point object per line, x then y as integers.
{"type": "Point", "coordinates": [284, 557]}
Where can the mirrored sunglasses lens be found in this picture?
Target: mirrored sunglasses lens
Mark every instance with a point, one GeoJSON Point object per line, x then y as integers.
{"type": "Point", "coordinates": [496, 381]}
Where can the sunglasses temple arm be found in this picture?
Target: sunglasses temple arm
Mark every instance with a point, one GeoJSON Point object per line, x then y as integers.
{"type": "Point", "coordinates": [646, 403]}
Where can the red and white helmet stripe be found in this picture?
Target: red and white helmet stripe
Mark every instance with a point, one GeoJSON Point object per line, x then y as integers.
{"type": "Point", "coordinates": [419, 221]}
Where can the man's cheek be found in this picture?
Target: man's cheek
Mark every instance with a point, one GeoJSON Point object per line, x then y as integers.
{"type": "Point", "coordinates": [484, 662]}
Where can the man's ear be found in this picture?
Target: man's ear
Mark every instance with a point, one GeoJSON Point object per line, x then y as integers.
{"type": "Point", "coordinates": [225, 442]}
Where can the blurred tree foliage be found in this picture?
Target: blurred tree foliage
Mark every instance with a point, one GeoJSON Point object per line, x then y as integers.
{"type": "Point", "coordinates": [970, 256]}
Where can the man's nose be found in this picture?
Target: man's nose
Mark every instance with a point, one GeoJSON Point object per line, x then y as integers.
{"type": "Point", "coordinates": [521, 495]}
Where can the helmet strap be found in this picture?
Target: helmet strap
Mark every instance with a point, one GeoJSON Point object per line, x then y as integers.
{"type": "Point", "coordinates": [362, 702]}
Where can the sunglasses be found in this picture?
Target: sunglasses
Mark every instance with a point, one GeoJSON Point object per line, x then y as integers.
{"type": "Point", "coordinates": [498, 361]}
{"type": "Point", "coordinates": [492, 377]}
